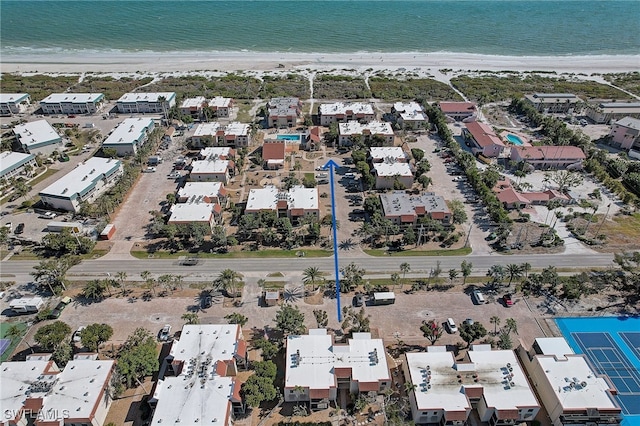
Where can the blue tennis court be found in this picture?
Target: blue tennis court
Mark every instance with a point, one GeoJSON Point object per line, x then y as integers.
{"type": "Point", "coordinates": [612, 346]}
{"type": "Point", "coordinates": [4, 345]}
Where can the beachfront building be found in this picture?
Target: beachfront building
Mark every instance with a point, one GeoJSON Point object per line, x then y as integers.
{"type": "Point", "coordinates": [129, 136]}
{"type": "Point", "coordinates": [410, 115]}
{"type": "Point", "coordinates": [14, 103]}
{"type": "Point", "coordinates": [549, 156]}
{"type": "Point", "coordinates": [569, 389]}
{"type": "Point", "coordinates": [353, 131]}
{"type": "Point", "coordinates": [221, 107]}
{"type": "Point", "coordinates": [273, 154]}
{"type": "Point", "coordinates": [14, 164]}
{"type": "Point", "coordinates": [483, 139]}
{"type": "Point", "coordinates": [296, 203]}
{"type": "Point", "coordinates": [158, 102]}
{"type": "Point", "coordinates": [72, 103]}
{"type": "Point", "coordinates": [38, 393]}
{"type": "Point", "coordinates": [447, 390]}
{"type": "Point", "coordinates": [318, 370]}
{"type": "Point", "coordinates": [458, 111]}
{"type": "Point", "coordinates": [283, 112]}
{"type": "Point", "coordinates": [84, 184]}
{"type": "Point", "coordinates": [342, 112]}
{"type": "Point", "coordinates": [390, 175]}
{"type": "Point", "coordinates": [38, 137]}
{"type": "Point", "coordinates": [197, 382]}
{"type": "Point", "coordinates": [234, 134]}
{"type": "Point", "coordinates": [192, 107]}
{"type": "Point", "coordinates": [407, 209]}
{"type": "Point", "coordinates": [554, 103]}
{"type": "Point", "coordinates": [395, 154]}
{"type": "Point", "coordinates": [625, 133]}
{"type": "Point", "coordinates": [606, 112]}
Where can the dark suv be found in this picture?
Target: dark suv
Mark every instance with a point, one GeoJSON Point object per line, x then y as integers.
{"type": "Point", "coordinates": [19, 229]}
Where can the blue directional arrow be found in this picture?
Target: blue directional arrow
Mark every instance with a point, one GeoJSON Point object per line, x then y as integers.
{"type": "Point", "coordinates": [331, 165]}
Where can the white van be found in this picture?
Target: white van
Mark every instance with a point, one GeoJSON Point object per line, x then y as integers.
{"type": "Point", "coordinates": [451, 325]}
{"type": "Point", "coordinates": [350, 175]}
{"type": "Point", "coordinates": [478, 298]}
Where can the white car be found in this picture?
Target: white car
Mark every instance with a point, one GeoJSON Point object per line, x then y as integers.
{"type": "Point", "coordinates": [174, 175]}
{"type": "Point", "coordinates": [149, 170]}
{"type": "Point", "coordinates": [164, 334]}
{"type": "Point", "coordinates": [76, 335]}
{"type": "Point", "coordinates": [319, 168]}
{"type": "Point", "coordinates": [48, 215]}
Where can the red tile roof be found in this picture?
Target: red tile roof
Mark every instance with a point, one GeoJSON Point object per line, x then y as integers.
{"type": "Point", "coordinates": [273, 151]}
{"type": "Point", "coordinates": [550, 152]}
{"type": "Point", "coordinates": [510, 196]}
{"type": "Point", "coordinates": [318, 393]}
{"type": "Point", "coordinates": [483, 134]}
{"type": "Point", "coordinates": [369, 387]}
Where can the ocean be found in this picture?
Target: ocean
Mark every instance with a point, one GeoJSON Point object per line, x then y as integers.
{"type": "Point", "coordinates": [488, 27]}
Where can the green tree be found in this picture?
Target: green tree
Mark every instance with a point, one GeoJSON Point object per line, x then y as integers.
{"type": "Point", "coordinates": [504, 341]}
{"type": "Point", "coordinates": [395, 279]}
{"type": "Point", "coordinates": [121, 276]}
{"type": "Point", "coordinates": [404, 268]}
{"type": "Point", "coordinates": [137, 357]}
{"type": "Point", "coordinates": [236, 318]}
{"type": "Point", "coordinates": [94, 335]}
{"type": "Point", "coordinates": [471, 332]}
{"type": "Point", "coordinates": [13, 333]}
{"type": "Point", "coordinates": [458, 212]}
{"type": "Point", "coordinates": [495, 320]}
{"type": "Point", "coordinates": [190, 318]}
{"type": "Point", "coordinates": [355, 321]}
{"type": "Point", "coordinates": [62, 354]}
{"type": "Point", "coordinates": [230, 280]}
{"type": "Point", "coordinates": [312, 275]}
{"type": "Point", "coordinates": [94, 289]}
{"type": "Point", "coordinates": [431, 330]}
{"type": "Point", "coordinates": [514, 272]}
{"type": "Point", "coordinates": [51, 273]}
{"type": "Point", "coordinates": [425, 181]}
{"type": "Point", "coordinates": [289, 320]}
{"type": "Point", "coordinates": [50, 336]}
{"type": "Point", "coordinates": [258, 389]}
{"type": "Point", "coordinates": [497, 274]}
{"type": "Point", "coordinates": [269, 349]}
{"type": "Point", "coordinates": [322, 319]}
{"type": "Point", "coordinates": [417, 154]}
{"type": "Point", "coordinates": [351, 277]}
{"type": "Point", "coordinates": [511, 326]}
{"type": "Point", "coordinates": [453, 274]}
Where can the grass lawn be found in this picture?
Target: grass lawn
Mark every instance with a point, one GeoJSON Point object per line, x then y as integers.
{"type": "Point", "coordinates": [233, 255]}
{"type": "Point", "coordinates": [243, 111]}
{"type": "Point", "coordinates": [463, 251]}
{"type": "Point", "coordinates": [14, 342]}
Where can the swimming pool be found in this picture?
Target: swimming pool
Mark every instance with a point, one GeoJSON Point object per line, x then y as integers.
{"type": "Point", "coordinates": [612, 346]}
{"type": "Point", "coordinates": [514, 139]}
{"type": "Point", "coordinates": [288, 137]}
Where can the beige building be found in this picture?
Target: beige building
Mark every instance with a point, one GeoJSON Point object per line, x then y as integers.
{"type": "Point", "coordinates": [341, 112]}
{"type": "Point", "coordinates": [283, 112]}
{"type": "Point", "coordinates": [558, 103]}
{"type": "Point", "coordinates": [625, 133]}
{"type": "Point", "coordinates": [606, 112]}
{"type": "Point", "coordinates": [353, 131]}
{"type": "Point", "coordinates": [72, 103]}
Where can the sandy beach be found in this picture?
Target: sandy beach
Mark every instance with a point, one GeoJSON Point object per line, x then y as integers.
{"type": "Point", "coordinates": [236, 61]}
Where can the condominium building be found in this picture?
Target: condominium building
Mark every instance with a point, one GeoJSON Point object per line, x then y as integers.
{"type": "Point", "coordinates": [625, 133]}
{"type": "Point", "coordinates": [195, 212]}
{"type": "Point", "coordinates": [410, 115]}
{"type": "Point", "coordinates": [390, 174]}
{"type": "Point", "coordinates": [208, 192]}
{"type": "Point", "coordinates": [215, 134]}
{"type": "Point", "coordinates": [446, 390]}
{"type": "Point", "coordinates": [395, 154]}
{"type": "Point", "coordinates": [317, 368]}
{"type": "Point", "coordinates": [606, 112]}
{"type": "Point", "coordinates": [14, 103]}
{"type": "Point", "coordinates": [353, 131]}
{"type": "Point", "coordinates": [38, 393]}
{"type": "Point", "coordinates": [273, 154]}
{"type": "Point", "coordinates": [72, 103]}
{"type": "Point", "coordinates": [484, 139]}
{"type": "Point", "coordinates": [159, 102]}
{"type": "Point", "coordinates": [197, 382]}
{"type": "Point", "coordinates": [296, 203]}
{"type": "Point", "coordinates": [569, 389]}
{"type": "Point", "coordinates": [129, 136]}
{"type": "Point", "coordinates": [458, 111]}
{"type": "Point", "coordinates": [13, 163]}
{"type": "Point", "coordinates": [213, 152]}
{"type": "Point", "coordinates": [211, 170]}
{"type": "Point", "coordinates": [85, 183]}
{"type": "Point", "coordinates": [38, 137]}
{"type": "Point", "coordinates": [221, 106]}
{"type": "Point", "coordinates": [558, 103]}
{"type": "Point", "coordinates": [192, 107]}
{"type": "Point", "coordinates": [342, 112]}
{"type": "Point", "coordinates": [406, 209]}
{"type": "Point", "coordinates": [549, 156]}
{"type": "Point", "coordinates": [283, 112]}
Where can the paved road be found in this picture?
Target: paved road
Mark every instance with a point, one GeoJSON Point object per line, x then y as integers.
{"type": "Point", "coordinates": [208, 268]}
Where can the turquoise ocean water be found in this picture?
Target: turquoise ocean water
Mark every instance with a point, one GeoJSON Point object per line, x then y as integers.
{"type": "Point", "coordinates": [493, 27]}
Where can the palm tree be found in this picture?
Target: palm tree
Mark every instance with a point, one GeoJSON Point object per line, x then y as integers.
{"type": "Point", "coordinates": [229, 280]}
{"type": "Point", "coordinates": [404, 268]}
{"type": "Point", "coordinates": [395, 279]}
{"type": "Point", "coordinates": [191, 318]}
{"type": "Point", "coordinates": [526, 267]}
{"type": "Point", "coordinates": [465, 268]}
{"type": "Point", "coordinates": [410, 387]}
{"type": "Point", "coordinates": [511, 325]}
{"type": "Point", "coordinates": [495, 320]}
{"type": "Point", "coordinates": [121, 276]}
{"type": "Point", "coordinates": [514, 271]}
{"type": "Point", "coordinates": [311, 275]}
{"type": "Point", "coordinates": [13, 333]}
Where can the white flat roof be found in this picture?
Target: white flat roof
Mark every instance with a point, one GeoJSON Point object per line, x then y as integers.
{"type": "Point", "coordinates": [6, 98]}
{"type": "Point", "coordinates": [78, 388]}
{"type": "Point", "coordinates": [82, 178]}
{"type": "Point", "coordinates": [387, 152]}
{"type": "Point", "coordinates": [414, 116]}
{"type": "Point", "coordinates": [374, 127]}
{"type": "Point", "coordinates": [130, 131]}
{"type": "Point", "coordinates": [17, 377]}
{"type": "Point", "coordinates": [146, 97]}
{"type": "Point", "coordinates": [200, 189]}
{"type": "Point", "coordinates": [215, 151]}
{"type": "Point", "coordinates": [311, 359]}
{"type": "Point", "coordinates": [344, 107]}
{"type": "Point", "coordinates": [303, 198]}
{"type": "Point", "coordinates": [392, 169]}
{"type": "Point", "coordinates": [10, 160]}
{"type": "Point", "coordinates": [36, 132]}
{"type": "Point", "coordinates": [76, 98]}
{"type": "Point", "coordinates": [26, 301]}
{"type": "Point", "coordinates": [630, 122]}
{"type": "Point", "coordinates": [445, 392]}
{"type": "Point", "coordinates": [409, 107]}
{"type": "Point", "coordinates": [198, 395]}
{"type": "Point", "coordinates": [263, 198]}
{"type": "Point", "coordinates": [505, 385]}
{"type": "Point", "coordinates": [191, 212]}
{"type": "Point", "coordinates": [209, 166]}
{"type": "Point", "coordinates": [219, 102]}
{"type": "Point", "coordinates": [207, 129]}
{"type": "Point", "coordinates": [557, 346]}
{"type": "Point", "coordinates": [237, 129]}
{"type": "Point", "coordinates": [193, 102]}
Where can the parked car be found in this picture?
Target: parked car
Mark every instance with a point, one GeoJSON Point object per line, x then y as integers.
{"type": "Point", "coordinates": [48, 215]}
{"type": "Point", "coordinates": [19, 229]}
{"type": "Point", "coordinates": [165, 333]}
{"type": "Point", "coordinates": [450, 324]}
{"type": "Point", "coordinates": [468, 321]}
{"type": "Point", "coordinates": [508, 300]}
{"type": "Point", "coordinates": [77, 333]}
{"type": "Point", "coordinates": [174, 175]}
{"type": "Point", "coordinates": [319, 168]}
{"type": "Point", "coordinates": [149, 170]}
{"type": "Point", "coordinates": [55, 313]}
{"type": "Point", "coordinates": [358, 299]}
{"type": "Point", "coordinates": [478, 298]}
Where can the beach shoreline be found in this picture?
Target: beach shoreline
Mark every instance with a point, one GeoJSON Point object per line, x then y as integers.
{"type": "Point", "coordinates": [172, 62]}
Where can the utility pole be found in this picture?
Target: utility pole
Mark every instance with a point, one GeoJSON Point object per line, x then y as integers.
{"type": "Point", "coordinates": [603, 219]}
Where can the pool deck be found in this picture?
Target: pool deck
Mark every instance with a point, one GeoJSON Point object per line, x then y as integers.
{"type": "Point", "coordinates": [526, 140]}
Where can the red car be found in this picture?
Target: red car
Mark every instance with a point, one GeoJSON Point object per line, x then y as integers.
{"type": "Point", "coordinates": [508, 300]}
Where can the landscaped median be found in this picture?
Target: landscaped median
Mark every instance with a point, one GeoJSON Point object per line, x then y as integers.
{"type": "Point", "coordinates": [462, 251]}
{"type": "Point", "coordinates": [232, 255]}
